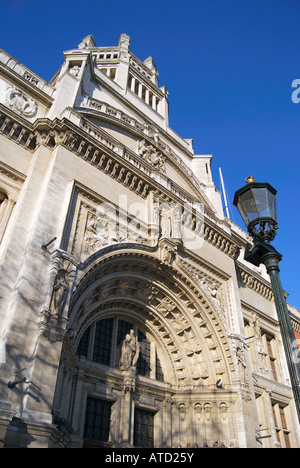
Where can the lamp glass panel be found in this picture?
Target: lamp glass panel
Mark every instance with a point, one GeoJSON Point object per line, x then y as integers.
{"type": "Point", "coordinates": [247, 207]}
{"type": "Point", "coordinates": [260, 196]}
{"type": "Point", "coordinates": [272, 205]}
{"type": "Point", "coordinates": [242, 213]}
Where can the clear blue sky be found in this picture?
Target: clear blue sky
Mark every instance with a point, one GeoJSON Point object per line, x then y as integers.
{"type": "Point", "coordinates": [228, 66]}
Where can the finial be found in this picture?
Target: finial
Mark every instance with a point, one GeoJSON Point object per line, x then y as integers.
{"type": "Point", "coordinates": [87, 42]}
{"type": "Point", "coordinates": [250, 179]}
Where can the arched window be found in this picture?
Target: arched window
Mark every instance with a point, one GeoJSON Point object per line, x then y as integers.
{"type": "Point", "coordinates": [102, 343]}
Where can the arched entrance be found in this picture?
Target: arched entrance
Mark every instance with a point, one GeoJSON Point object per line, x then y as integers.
{"type": "Point", "coordinates": [177, 389]}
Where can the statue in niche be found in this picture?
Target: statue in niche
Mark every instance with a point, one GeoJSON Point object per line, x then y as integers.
{"type": "Point", "coordinates": [182, 411]}
{"type": "Point", "coordinates": [166, 221]}
{"type": "Point", "coordinates": [155, 213]}
{"type": "Point", "coordinates": [176, 228]}
{"type": "Point", "coordinates": [241, 363]}
{"type": "Point", "coordinates": [59, 294]}
{"type": "Point", "coordinates": [259, 345]}
{"type": "Point", "coordinates": [129, 352]}
{"type": "Point", "coordinates": [74, 70]}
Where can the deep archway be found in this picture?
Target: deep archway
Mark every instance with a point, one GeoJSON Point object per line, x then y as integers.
{"type": "Point", "coordinates": [147, 290]}
{"type": "Point", "coordinates": [135, 283]}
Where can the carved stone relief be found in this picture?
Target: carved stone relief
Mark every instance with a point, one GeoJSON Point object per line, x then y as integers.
{"type": "Point", "coordinates": [151, 155]}
{"type": "Point", "coordinates": [105, 228]}
{"type": "Point", "coordinates": [19, 102]}
{"type": "Point", "coordinates": [98, 233]}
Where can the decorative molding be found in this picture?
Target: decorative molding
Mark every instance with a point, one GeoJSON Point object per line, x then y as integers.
{"type": "Point", "coordinates": [249, 279]}
{"type": "Point", "coordinates": [16, 130]}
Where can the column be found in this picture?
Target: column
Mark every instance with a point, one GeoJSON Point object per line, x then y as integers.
{"type": "Point", "coordinates": [132, 85]}
{"type": "Point", "coordinates": [140, 90]}
{"type": "Point", "coordinates": [127, 411]}
{"type": "Point", "coordinates": [147, 96]}
{"type": "Point", "coordinates": [154, 102]}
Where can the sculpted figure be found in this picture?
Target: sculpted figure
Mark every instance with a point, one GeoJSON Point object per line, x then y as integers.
{"type": "Point", "coordinates": [59, 295]}
{"type": "Point", "coordinates": [242, 363]}
{"type": "Point", "coordinates": [129, 352]}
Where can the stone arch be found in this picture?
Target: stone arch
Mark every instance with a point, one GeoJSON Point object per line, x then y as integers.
{"type": "Point", "coordinates": [132, 281]}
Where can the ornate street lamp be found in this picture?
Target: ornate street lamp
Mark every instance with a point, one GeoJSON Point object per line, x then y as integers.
{"type": "Point", "coordinates": [256, 203]}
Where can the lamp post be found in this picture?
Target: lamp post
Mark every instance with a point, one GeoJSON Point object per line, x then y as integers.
{"type": "Point", "coordinates": [256, 203]}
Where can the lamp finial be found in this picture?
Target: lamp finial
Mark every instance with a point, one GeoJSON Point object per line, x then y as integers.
{"type": "Point", "coordinates": [250, 179]}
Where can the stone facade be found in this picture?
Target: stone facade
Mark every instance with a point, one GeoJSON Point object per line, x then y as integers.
{"type": "Point", "coordinates": [128, 315]}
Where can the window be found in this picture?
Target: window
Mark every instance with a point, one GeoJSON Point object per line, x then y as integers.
{"type": "Point", "coordinates": [159, 372]}
{"type": "Point", "coordinates": [123, 329]}
{"type": "Point", "coordinates": [143, 428]}
{"type": "Point", "coordinates": [102, 343]}
{"type": "Point", "coordinates": [82, 349]}
{"type": "Point", "coordinates": [143, 364]}
{"type": "Point", "coordinates": [283, 433]}
{"type": "Point", "coordinates": [271, 355]}
{"type": "Point", "coordinates": [97, 422]}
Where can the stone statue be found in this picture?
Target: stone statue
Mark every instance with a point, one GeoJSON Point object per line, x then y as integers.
{"type": "Point", "coordinates": [60, 292]}
{"type": "Point", "coordinates": [241, 363]}
{"type": "Point", "coordinates": [129, 352]}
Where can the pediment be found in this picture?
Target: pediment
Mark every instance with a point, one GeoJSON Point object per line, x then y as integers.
{"type": "Point", "coordinates": [143, 145]}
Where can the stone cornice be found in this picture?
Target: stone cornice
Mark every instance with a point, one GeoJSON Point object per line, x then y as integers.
{"type": "Point", "coordinates": [254, 281]}
{"type": "Point", "coordinates": [11, 173]}
{"type": "Point", "coordinates": [16, 128]}
{"type": "Point", "coordinates": [249, 309]}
